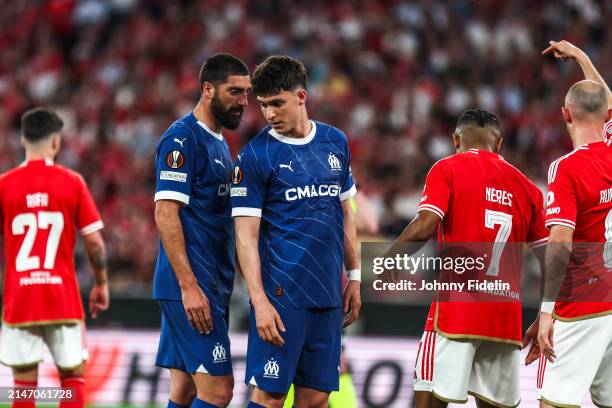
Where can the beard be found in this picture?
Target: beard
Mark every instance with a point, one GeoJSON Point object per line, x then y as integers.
{"type": "Point", "coordinates": [225, 116]}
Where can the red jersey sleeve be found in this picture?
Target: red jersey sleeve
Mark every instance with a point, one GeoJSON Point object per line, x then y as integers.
{"type": "Point", "coordinates": [436, 194]}
{"type": "Point", "coordinates": [561, 197]}
{"type": "Point", "coordinates": [537, 235]}
{"type": "Point", "coordinates": [88, 218]}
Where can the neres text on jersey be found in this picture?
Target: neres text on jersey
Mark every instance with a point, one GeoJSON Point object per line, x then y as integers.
{"type": "Point", "coordinates": [499, 196]}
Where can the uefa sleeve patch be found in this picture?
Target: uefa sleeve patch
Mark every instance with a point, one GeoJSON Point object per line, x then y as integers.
{"type": "Point", "coordinates": [175, 159]}
{"type": "Point", "coordinates": [237, 176]}
{"type": "Point", "coordinates": [238, 192]}
{"type": "Point", "coordinates": [173, 176]}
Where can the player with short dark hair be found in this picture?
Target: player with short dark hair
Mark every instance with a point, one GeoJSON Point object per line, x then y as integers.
{"type": "Point", "coordinates": [471, 344]}
{"type": "Point", "coordinates": [577, 350]}
{"type": "Point", "coordinates": [42, 205]}
{"type": "Point", "coordinates": [195, 268]}
{"type": "Point", "coordinates": [294, 227]}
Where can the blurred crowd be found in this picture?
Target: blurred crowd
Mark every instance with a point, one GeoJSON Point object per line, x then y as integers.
{"type": "Point", "coordinates": [394, 75]}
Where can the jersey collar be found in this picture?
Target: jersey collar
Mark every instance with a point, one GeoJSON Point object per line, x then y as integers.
{"type": "Point", "coordinates": [47, 162]}
{"type": "Point", "coordinates": [295, 140]}
{"type": "Point", "coordinates": [209, 130]}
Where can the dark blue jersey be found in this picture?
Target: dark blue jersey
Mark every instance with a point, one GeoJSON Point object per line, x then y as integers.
{"type": "Point", "coordinates": [296, 186]}
{"type": "Point", "coordinates": [193, 166]}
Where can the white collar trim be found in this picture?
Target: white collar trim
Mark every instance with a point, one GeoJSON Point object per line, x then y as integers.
{"type": "Point", "coordinates": [48, 162]}
{"type": "Point", "coordinates": [209, 130]}
{"type": "Point", "coordinates": [295, 140]}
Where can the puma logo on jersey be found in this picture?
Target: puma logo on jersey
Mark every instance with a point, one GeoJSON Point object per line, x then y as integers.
{"type": "Point", "coordinates": [286, 166]}
{"type": "Point", "coordinates": [240, 156]}
{"type": "Point", "coordinates": [180, 141]}
{"type": "Point", "coordinates": [220, 162]}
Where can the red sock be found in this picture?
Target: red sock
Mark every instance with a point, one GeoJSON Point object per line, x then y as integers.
{"type": "Point", "coordinates": [76, 387]}
{"type": "Point", "coordinates": [22, 402]}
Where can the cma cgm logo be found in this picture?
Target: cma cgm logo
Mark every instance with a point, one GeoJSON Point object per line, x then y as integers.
{"type": "Point", "coordinates": [223, 189]}
{"type": "Point", "coordinates": [321, 190]}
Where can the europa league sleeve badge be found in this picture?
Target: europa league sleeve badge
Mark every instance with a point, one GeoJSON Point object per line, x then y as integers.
{"type": "Point", "coordinates": [175, 159]}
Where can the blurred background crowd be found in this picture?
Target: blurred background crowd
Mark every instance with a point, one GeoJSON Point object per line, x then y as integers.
{"type": "Point", "coordinates": [394, 75]}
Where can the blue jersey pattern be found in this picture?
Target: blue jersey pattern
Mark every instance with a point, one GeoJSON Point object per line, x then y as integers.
{"type": "Point", "coordinates": [296, 186]}
{"type": "Point", "coordinates": [193, 166]}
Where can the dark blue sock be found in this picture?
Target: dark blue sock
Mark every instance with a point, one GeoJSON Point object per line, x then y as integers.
{"type": "Point", "coordinates": [172, 404]}
{"type": "Point", "coordinates": [254, 405]}
{"type": "Point", "coordinates": [198, 403]}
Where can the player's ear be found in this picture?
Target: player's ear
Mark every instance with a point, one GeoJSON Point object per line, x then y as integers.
{"type": "Point", "coordinates": [56, 141]}
{"type": "Point", "coordinates": [208, 90]}
{"type": "Point", "coordinates": [457, 141]}
{"type": "Point", "coordinates": [23, 141]}
{"type": "Point", "coordinates": [567, 114]}
{"type": "Point", "coordinates": [302, 96]}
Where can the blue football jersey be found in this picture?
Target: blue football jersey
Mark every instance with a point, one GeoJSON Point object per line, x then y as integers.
{"type": "Point", "coordinates": [193, 166]}
{"type": "Point", "coordinates": [296, 186]}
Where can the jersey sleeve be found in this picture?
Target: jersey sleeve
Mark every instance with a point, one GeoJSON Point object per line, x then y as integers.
{"type": "Point", "coordinates": [436, 193]}
{"type": "Point", "coordinates": [537, 235]}
{"type": "Point", "coordinates": [248, 185]}
{"type": "Point", "coordinates": [88, 218]}
{"type": "Point", "coordinates": [561, 197]}
{"type": "Point", "coordinates": [175, 167]}
{"type": "Point", "coordinates": [348, 189]}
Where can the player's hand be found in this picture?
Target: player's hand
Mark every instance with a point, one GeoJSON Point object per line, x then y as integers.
{"type": "Point", "coordinates": [351, 304]}
{"type": "Point", "coordinates": [98, 299]}
{"type": "Point", "coordinates": [269, 323]}
{"type": "Point", "coordinates": [545, 336]}
{"type": "Point", "coordinates": [197, 308]}
{"type": "Point", "coordinates": [531, 337]}
{"type": "Point", "coordinates": [563, 50]}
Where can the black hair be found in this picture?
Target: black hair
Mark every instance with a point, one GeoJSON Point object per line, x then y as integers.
{"type": "Point", "coordinates": [218, 67]}
{"type": "Point", "coordinates": [279, 73]}
{"type": "Point", "coordinates": [39, 123]}
{"type": "Point", "coordinates": [479, 117]}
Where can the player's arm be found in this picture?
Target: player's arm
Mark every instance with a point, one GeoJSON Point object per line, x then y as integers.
{"type": "Point", "coordinates": [96, 251]}
{"type": "Point", "coordinates": [172, 238]}
{"type": "Point", "coordinates": [565, 50]}
{"type": "Point", "coordinates": [352, 293]}
{"type": "Point", "coordinates": [558, 253]}
{"type": "Point", "coordinates": [267, 319]}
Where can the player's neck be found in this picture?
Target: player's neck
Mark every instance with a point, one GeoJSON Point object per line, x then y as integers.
{"type": "Point", "coordinates": [585, 133]}
{"type": "Point", "coordinates": [33, 155]}
{"type": "Point", "coordinates": [205, 116]}
{"type": "Point", "coordinates": [302, 129]}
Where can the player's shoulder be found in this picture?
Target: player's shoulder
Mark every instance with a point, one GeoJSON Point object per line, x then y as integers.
{"type": "Point", "coordinates": [330, 131]}
{"type": "Point", "coordinates": [258, 143]}
{"type": "Point", "coordinates": [70, 174]}
{"type": "Point", "coordinates": [180, 129]}
{"type": "Point", "coordinates": [567, 162]}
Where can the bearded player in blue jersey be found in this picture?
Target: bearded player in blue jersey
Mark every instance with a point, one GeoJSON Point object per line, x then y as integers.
{"type": "Point", "coordinates": [195, 266]}
{"type": "Point", "coordinates": [294, 229]}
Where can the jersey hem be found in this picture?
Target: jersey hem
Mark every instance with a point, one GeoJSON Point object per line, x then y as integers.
{"type": "Point", "coordinates": [582, 317]}
{"type": "Point", "coordinates": [42, 322]}
{"type": "Point", "coordinates": [348, 193]}
{"type": "Point", "coordinates": [454, 336]}
{"type": "Point", "coordinates": [431, 208]}
{"type": "Point", "coordinates": [490, 401]}
{"type": "Point", "coordinates": [246, 211]}
{"type": "Point", "coordinates": [172, 195]}
{"type": "Point", "coordinates": [93, 227]}
{"type": "Point", "coordinates": [560, 221]}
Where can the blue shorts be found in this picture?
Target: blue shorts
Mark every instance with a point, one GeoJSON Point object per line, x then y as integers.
{"type": "Point", "coordinates": [182, 347]}
{"type": "Point", "coordinates": [310, 356]}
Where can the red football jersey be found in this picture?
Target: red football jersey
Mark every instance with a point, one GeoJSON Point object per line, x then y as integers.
{"type": "Point", "coordinates": [580, 197]}
{"type": "Point", "coordinates": [41, 206]}
{"type": "Point", "coordinates": [483, 199]}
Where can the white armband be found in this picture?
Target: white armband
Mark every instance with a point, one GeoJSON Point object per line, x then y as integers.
{"type": "Point", "coordinates": [354, 275]}
{"type": "Point", "coordinates": [547, 307]}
